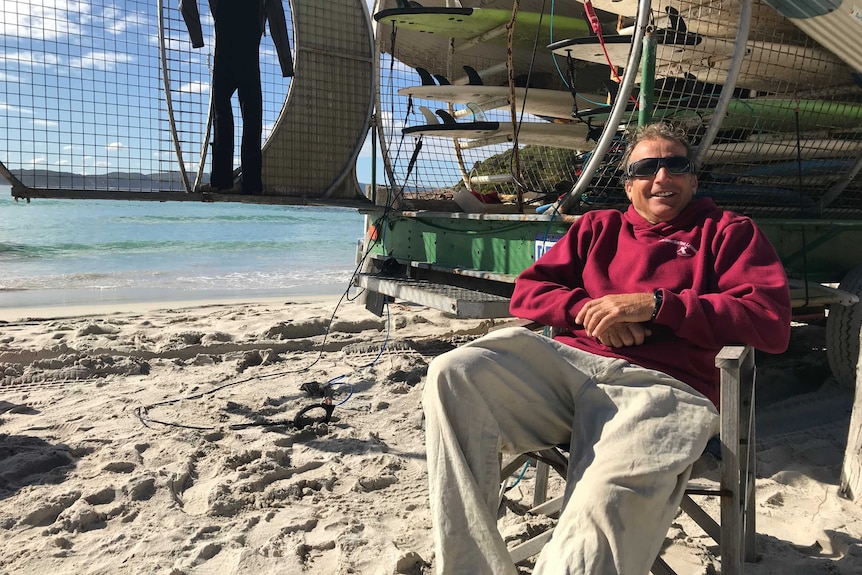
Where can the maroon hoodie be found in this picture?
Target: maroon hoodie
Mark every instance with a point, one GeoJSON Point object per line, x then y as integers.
{"type": "Point", "coordinates": [721, 281]}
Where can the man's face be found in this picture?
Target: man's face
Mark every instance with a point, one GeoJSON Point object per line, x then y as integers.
{"type": "Point", "coordinates": [660, 197]}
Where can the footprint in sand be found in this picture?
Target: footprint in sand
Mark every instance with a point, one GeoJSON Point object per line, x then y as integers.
{"type": "Point", "coordinates": [196, 494]}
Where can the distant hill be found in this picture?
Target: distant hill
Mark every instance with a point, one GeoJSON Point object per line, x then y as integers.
{"type": "Point", "coordinates": [111, 181]}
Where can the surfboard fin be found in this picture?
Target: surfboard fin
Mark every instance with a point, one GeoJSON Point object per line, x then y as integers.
{"type": "Point", "coordinates": [446, 117]}
{"type": "Point", "coordinates": [612, 88]}
{"type": "Point", "coordinates": [590, 25]}
{"type": "Point", "coordinates": [677, 32]}
{"type": "Point", "coordinates": [441, 79]}
{"type": "Point", "coordinates": [677, 24]}
{"type": "Point", "coordinates": [473, 77]}
{"type": "Point", "coordinates": [427, 78]}
{"type": "Point", "coordinates": [430, 118]}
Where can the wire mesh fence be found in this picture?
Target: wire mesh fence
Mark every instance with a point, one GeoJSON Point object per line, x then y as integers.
{"type": "Point", "coordinates": [788, 145]}
{"type": "Point", "coordinates": [118, 98]}
{"type": "Point", "coordinates": [85, 95]}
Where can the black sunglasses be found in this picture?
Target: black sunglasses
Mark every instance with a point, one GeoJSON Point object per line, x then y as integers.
{"type": "Point", "coordinates": [650, 166]}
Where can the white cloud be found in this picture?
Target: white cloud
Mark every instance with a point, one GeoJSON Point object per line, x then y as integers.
{"type": "Point", "coordinates": [45, 123]}
{"type": "Point", "coordinates": [48, 20]}
{"type": "Point", "coordinates": [181, 43]}
{"type": "Point", "coordinates": [4, 107]}
{"type": "Point", "coordinates": [100, 60]}
{"type": "Point", "coordinates": [387, 119]}
{"type": "Point", "coordinates": [37, 161]}
{"type": "Point", "coordinates": [32, 59]}
{"type": "Point", "coordinates": [196, 87]}
{"type": "Point", "coordinates": [365, 151]}
{"type": "Point", "coordinates": [121, 23]}
{"type": "Point", "coordinates": [114, 146]}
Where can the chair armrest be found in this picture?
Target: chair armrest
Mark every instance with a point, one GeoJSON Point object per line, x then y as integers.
{"type": "Point", "coordinates": [731, 356]}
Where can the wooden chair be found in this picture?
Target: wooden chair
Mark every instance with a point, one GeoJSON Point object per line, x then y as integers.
{"type": "Point", "coordinates": [735, 532]}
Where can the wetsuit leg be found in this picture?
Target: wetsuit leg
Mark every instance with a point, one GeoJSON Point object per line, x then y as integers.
{"type": "Point", "coordinates": [223, 87]}
{"type": "Point", "coordinates": [251, 104]}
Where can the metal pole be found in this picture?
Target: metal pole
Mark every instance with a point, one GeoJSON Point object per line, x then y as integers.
{"type": "Point", "coordinates": [647, 96]}
{"type": "Point", "coordinates": [739, 52]}
{"type": "Point", "coordinates": [617, 109]}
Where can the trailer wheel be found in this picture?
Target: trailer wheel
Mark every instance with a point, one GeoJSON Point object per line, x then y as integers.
{"type": "Point", "coordinates": [842, 332]}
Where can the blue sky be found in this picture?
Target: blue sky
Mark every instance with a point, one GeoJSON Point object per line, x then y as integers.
{"type": "Point", "coordinates": [80, 81]}
{"type": "Point", "coordinates": [81, 88]}
{"type": "Point", "coordinates": [364, 161]}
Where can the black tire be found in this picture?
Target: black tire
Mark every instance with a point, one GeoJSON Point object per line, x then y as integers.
{"type": "Point", "coordinates": [842, 332]}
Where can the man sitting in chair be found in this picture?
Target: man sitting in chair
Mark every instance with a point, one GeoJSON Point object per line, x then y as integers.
{"type": "Point", "coordinates": [642, 301]}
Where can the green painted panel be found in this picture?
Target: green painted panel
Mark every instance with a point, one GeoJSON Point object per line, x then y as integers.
{"type": "Point", "coordinates": [498, 246]}
{"type": "Point", "coordinates": [820, 250]}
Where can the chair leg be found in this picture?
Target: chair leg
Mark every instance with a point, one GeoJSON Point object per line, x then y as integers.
{"type": "Point", "coordinates": [660, 567]}
{"type": "Point", "coordinates": [749, 502]}
{"type": "Point", "coordinates": [738, 457]}
{"type": "Point", "coordinates": [540, 494]}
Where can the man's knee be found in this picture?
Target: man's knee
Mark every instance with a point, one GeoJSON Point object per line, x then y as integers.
{"type": "Point", "coordinates": [445, 368]}
{"type": "Point", "coordinates": [455, 376]}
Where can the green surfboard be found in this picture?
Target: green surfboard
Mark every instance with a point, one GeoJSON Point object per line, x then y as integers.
{"type": "Point", "coordinates": [466, 23]}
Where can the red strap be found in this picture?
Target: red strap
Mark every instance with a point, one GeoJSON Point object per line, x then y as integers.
{"type": "Point", "coordinates": [597, 29]}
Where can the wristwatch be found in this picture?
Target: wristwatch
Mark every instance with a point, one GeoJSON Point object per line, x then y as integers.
{"type": "Point", "coordinates": [657, 297]}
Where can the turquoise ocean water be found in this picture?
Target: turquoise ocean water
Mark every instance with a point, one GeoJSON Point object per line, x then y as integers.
{"type": "Point", "coordinates": [56, 252]}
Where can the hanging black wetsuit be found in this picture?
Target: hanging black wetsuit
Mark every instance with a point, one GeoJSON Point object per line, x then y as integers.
{"type": "Point", "coordinates": [239, 25]}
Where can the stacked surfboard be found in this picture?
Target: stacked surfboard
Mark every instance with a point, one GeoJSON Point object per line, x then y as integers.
{"type": "Point", "coordinates": [766, 126]}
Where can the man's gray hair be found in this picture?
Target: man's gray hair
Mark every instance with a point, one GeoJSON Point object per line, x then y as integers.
{"type": "Point", "coordinates": [663, 130]}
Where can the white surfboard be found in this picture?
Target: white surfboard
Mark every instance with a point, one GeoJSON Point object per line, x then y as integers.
{"type": "Point", "coordinates": [671, 47]}
{"type": "Point", "coordinates": [765, 65]}
{"type": "Point", "coordinates": [761, 151]}
{"type": "Point", "coordinates": [479, 133]}
{"type": "Point", "coordinates": [834, 24]}
{"type": "Point", "coordinates": [539, 102]}
{"type": "Point", "coordinates": [707, 17]}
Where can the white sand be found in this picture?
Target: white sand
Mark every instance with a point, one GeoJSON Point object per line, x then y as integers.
{"type": "Point", "coordinates": [91, 482]}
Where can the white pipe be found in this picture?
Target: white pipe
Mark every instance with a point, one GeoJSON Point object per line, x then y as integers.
{"type": "Point", "coordinates": [167, 86]}
{"type": "Point", "coordinates": [617, 109]}
{"type": "Point", "coordinates": [739, 53]}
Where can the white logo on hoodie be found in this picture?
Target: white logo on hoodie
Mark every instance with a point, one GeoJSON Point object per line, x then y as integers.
{"type": "Point", "coordinates": [683, 249]}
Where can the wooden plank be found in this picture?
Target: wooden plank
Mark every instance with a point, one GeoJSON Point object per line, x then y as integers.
{"type": "Point", "coordinates": [530, 547]}
{"type": "Point", "coordinates": [549, 507]}
{"type": "Point", "coordinates": [701, 517]}
{"type": "Point", "coordinates": [514, 465]}
{"type": "Point", "coordinates": [660, 567]}
{"type": "Point", "coordinates": [540, 494]}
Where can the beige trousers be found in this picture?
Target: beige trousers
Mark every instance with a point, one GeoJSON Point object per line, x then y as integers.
{"type": "Point", "coordinates": [633, 434]}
